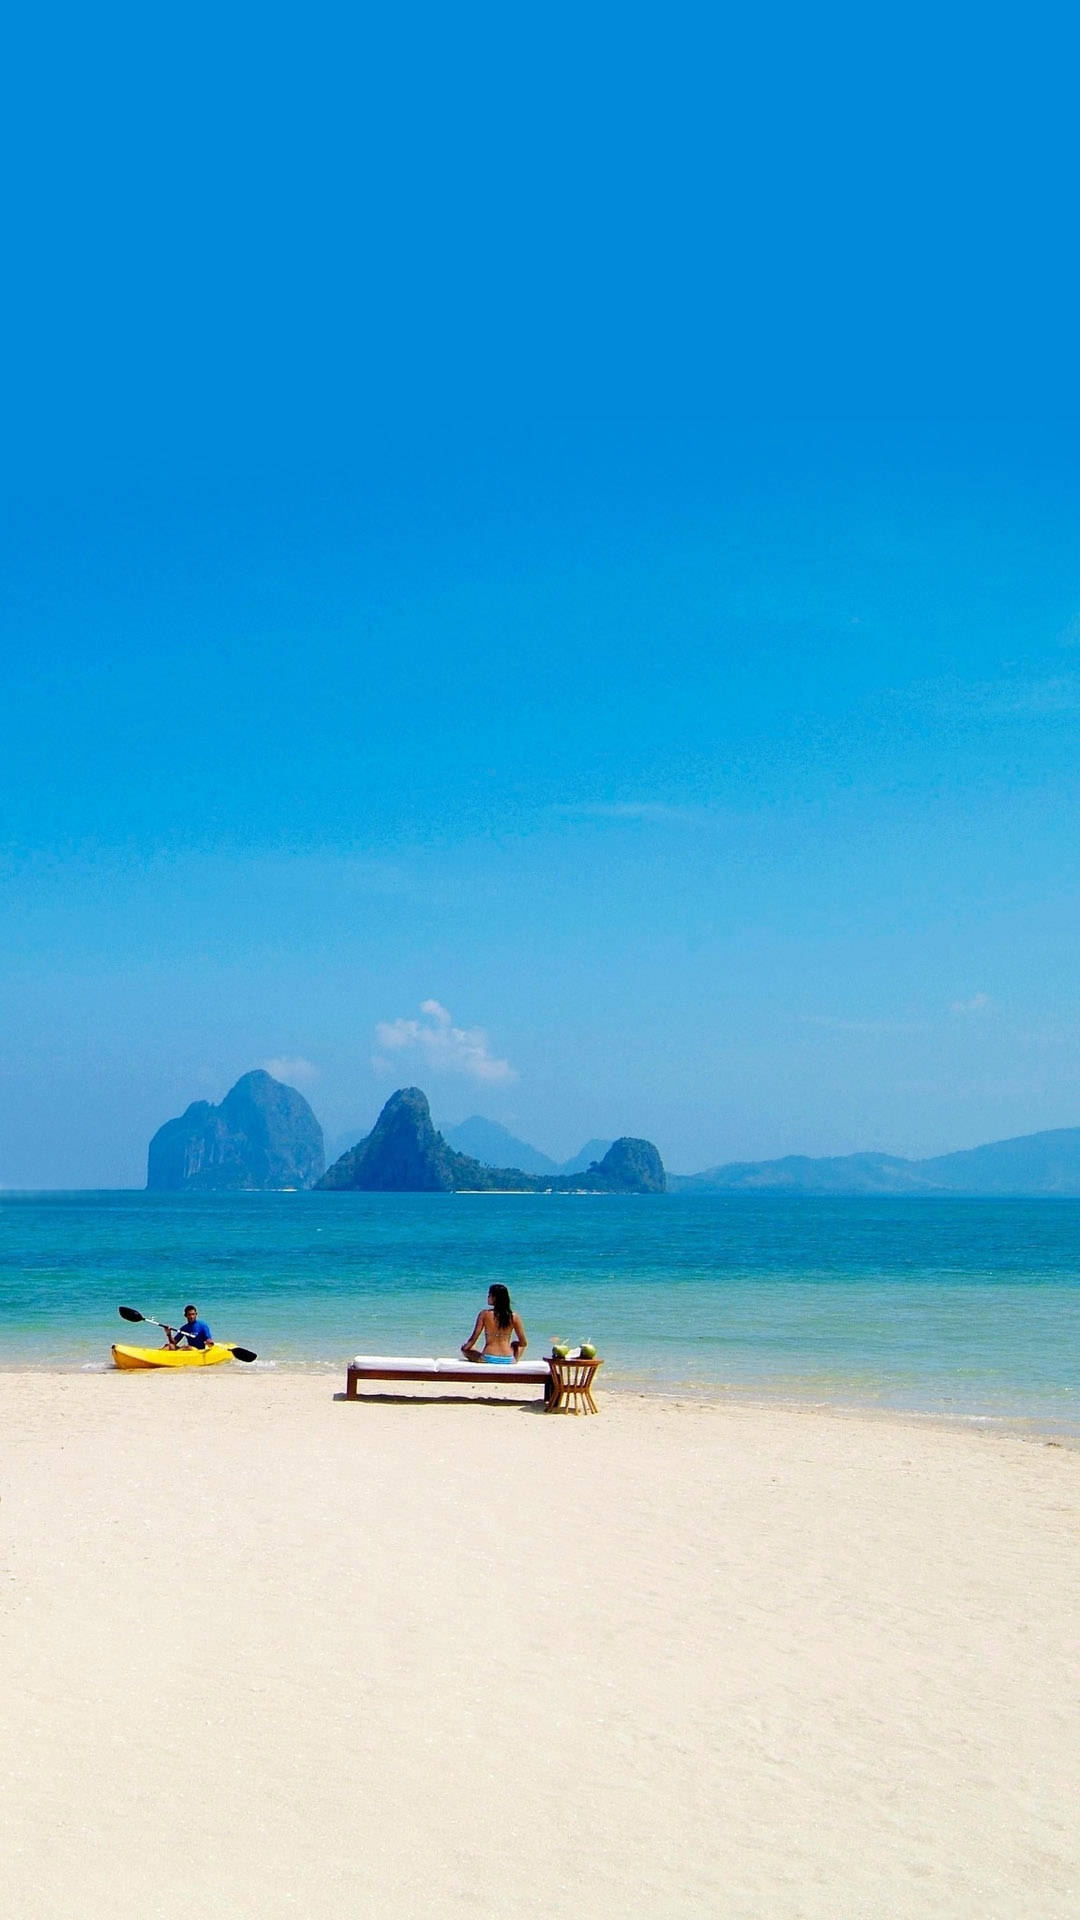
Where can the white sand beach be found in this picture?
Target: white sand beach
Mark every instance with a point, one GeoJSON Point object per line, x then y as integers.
{"type": "Point", "coordinates": [266, 1654]}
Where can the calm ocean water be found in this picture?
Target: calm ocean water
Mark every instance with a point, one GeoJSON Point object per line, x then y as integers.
{"type": "Point", "coordinates": [954, 1307]}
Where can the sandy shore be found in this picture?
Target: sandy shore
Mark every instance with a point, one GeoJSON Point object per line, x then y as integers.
{"type": "Point", "coordinates": [465, 1660]}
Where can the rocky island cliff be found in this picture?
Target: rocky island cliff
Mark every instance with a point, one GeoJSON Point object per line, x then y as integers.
{"type": "Point", "coordinates": [404, 1153]}
{"type": "Point", "coordinates": [262, 1136]}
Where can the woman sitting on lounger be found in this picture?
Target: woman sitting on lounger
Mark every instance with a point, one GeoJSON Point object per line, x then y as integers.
{"type": "Point", "coordinates": [504, 1335]}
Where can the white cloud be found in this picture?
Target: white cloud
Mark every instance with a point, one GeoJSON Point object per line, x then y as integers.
{"type": "Point", "coordinates": [438, 1046]}
{"type": "Point", "coordinates": [977, 1004]}
{"type": "Point", "coordinates": [296, 1071]}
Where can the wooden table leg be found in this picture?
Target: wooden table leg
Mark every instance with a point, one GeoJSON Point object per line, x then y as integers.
{"type": "Point", "coordinates": [570, 1384]}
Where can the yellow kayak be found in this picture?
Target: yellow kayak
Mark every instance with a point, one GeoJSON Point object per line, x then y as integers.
{"type": "Point", "coordinates": [132, 1357]}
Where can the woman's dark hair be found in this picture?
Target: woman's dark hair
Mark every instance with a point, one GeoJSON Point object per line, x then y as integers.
{"type": "Point", "coordinates": [500, 1301]}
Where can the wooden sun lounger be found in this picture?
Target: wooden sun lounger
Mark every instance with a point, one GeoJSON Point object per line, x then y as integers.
{"type": "Point", "coordinates": [375, 1366]}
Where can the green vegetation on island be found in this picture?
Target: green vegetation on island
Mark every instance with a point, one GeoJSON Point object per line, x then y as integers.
{"type": "Point", "coordinates": [404, 1153]}
{"type": "Point", "coordinates": [264, 1136]}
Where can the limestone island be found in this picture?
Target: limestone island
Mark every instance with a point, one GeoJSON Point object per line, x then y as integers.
{"type": "Point", "coordinates": [262, 1137]}
{"type": "Point", "coordinates": [404, 1153]}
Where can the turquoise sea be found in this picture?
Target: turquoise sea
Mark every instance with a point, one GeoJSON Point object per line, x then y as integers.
{"type": "Point", "coordinates": [963, 1308]}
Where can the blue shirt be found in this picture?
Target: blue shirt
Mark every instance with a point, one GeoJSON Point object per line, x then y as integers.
{"type": "Point", "coordinates": [197, 1333]}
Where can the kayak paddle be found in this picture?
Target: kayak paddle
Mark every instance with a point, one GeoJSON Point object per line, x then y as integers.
{"type": "Point", "coordinates": [132, 1313]}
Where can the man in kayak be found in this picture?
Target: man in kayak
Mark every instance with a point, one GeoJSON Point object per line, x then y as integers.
{"type": "Point", "coordinates": [193, 1333]}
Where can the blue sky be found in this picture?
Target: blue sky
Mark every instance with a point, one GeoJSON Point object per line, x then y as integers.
{"type": "Point", "coordinates": [572, 522]}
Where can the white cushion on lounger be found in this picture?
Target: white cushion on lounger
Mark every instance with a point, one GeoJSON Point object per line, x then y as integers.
{"type": "Point", "coordinates": [396, 1362]}
{"type": "Point", "coordinates": [520, 1370]}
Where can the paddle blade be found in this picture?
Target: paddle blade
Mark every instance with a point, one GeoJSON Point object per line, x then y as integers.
{"type": "Point", "coordinates": [130, 1313]}
{"type": "Point", "coordinates": [243, 1353]}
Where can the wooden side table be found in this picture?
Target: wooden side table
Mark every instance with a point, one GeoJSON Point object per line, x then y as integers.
{"type": "Point", "coordinates": [571, 1385]}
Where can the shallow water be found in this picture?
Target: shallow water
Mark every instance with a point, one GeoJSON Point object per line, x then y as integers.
{"type": "Point", "coordinates": [964, 1308]}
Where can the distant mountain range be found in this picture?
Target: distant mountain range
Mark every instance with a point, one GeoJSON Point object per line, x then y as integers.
{"type": "Point", "coordinates": [495, 1146]}
{"type": "Point", "coordinates": [404, 1153]}
{"type": "Point", "coordinates": [1033, 1164]}
{"type": "Point", "coordinates": [263, 1135]}
{"type": "Point", "coordinates": [490, 1143]}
